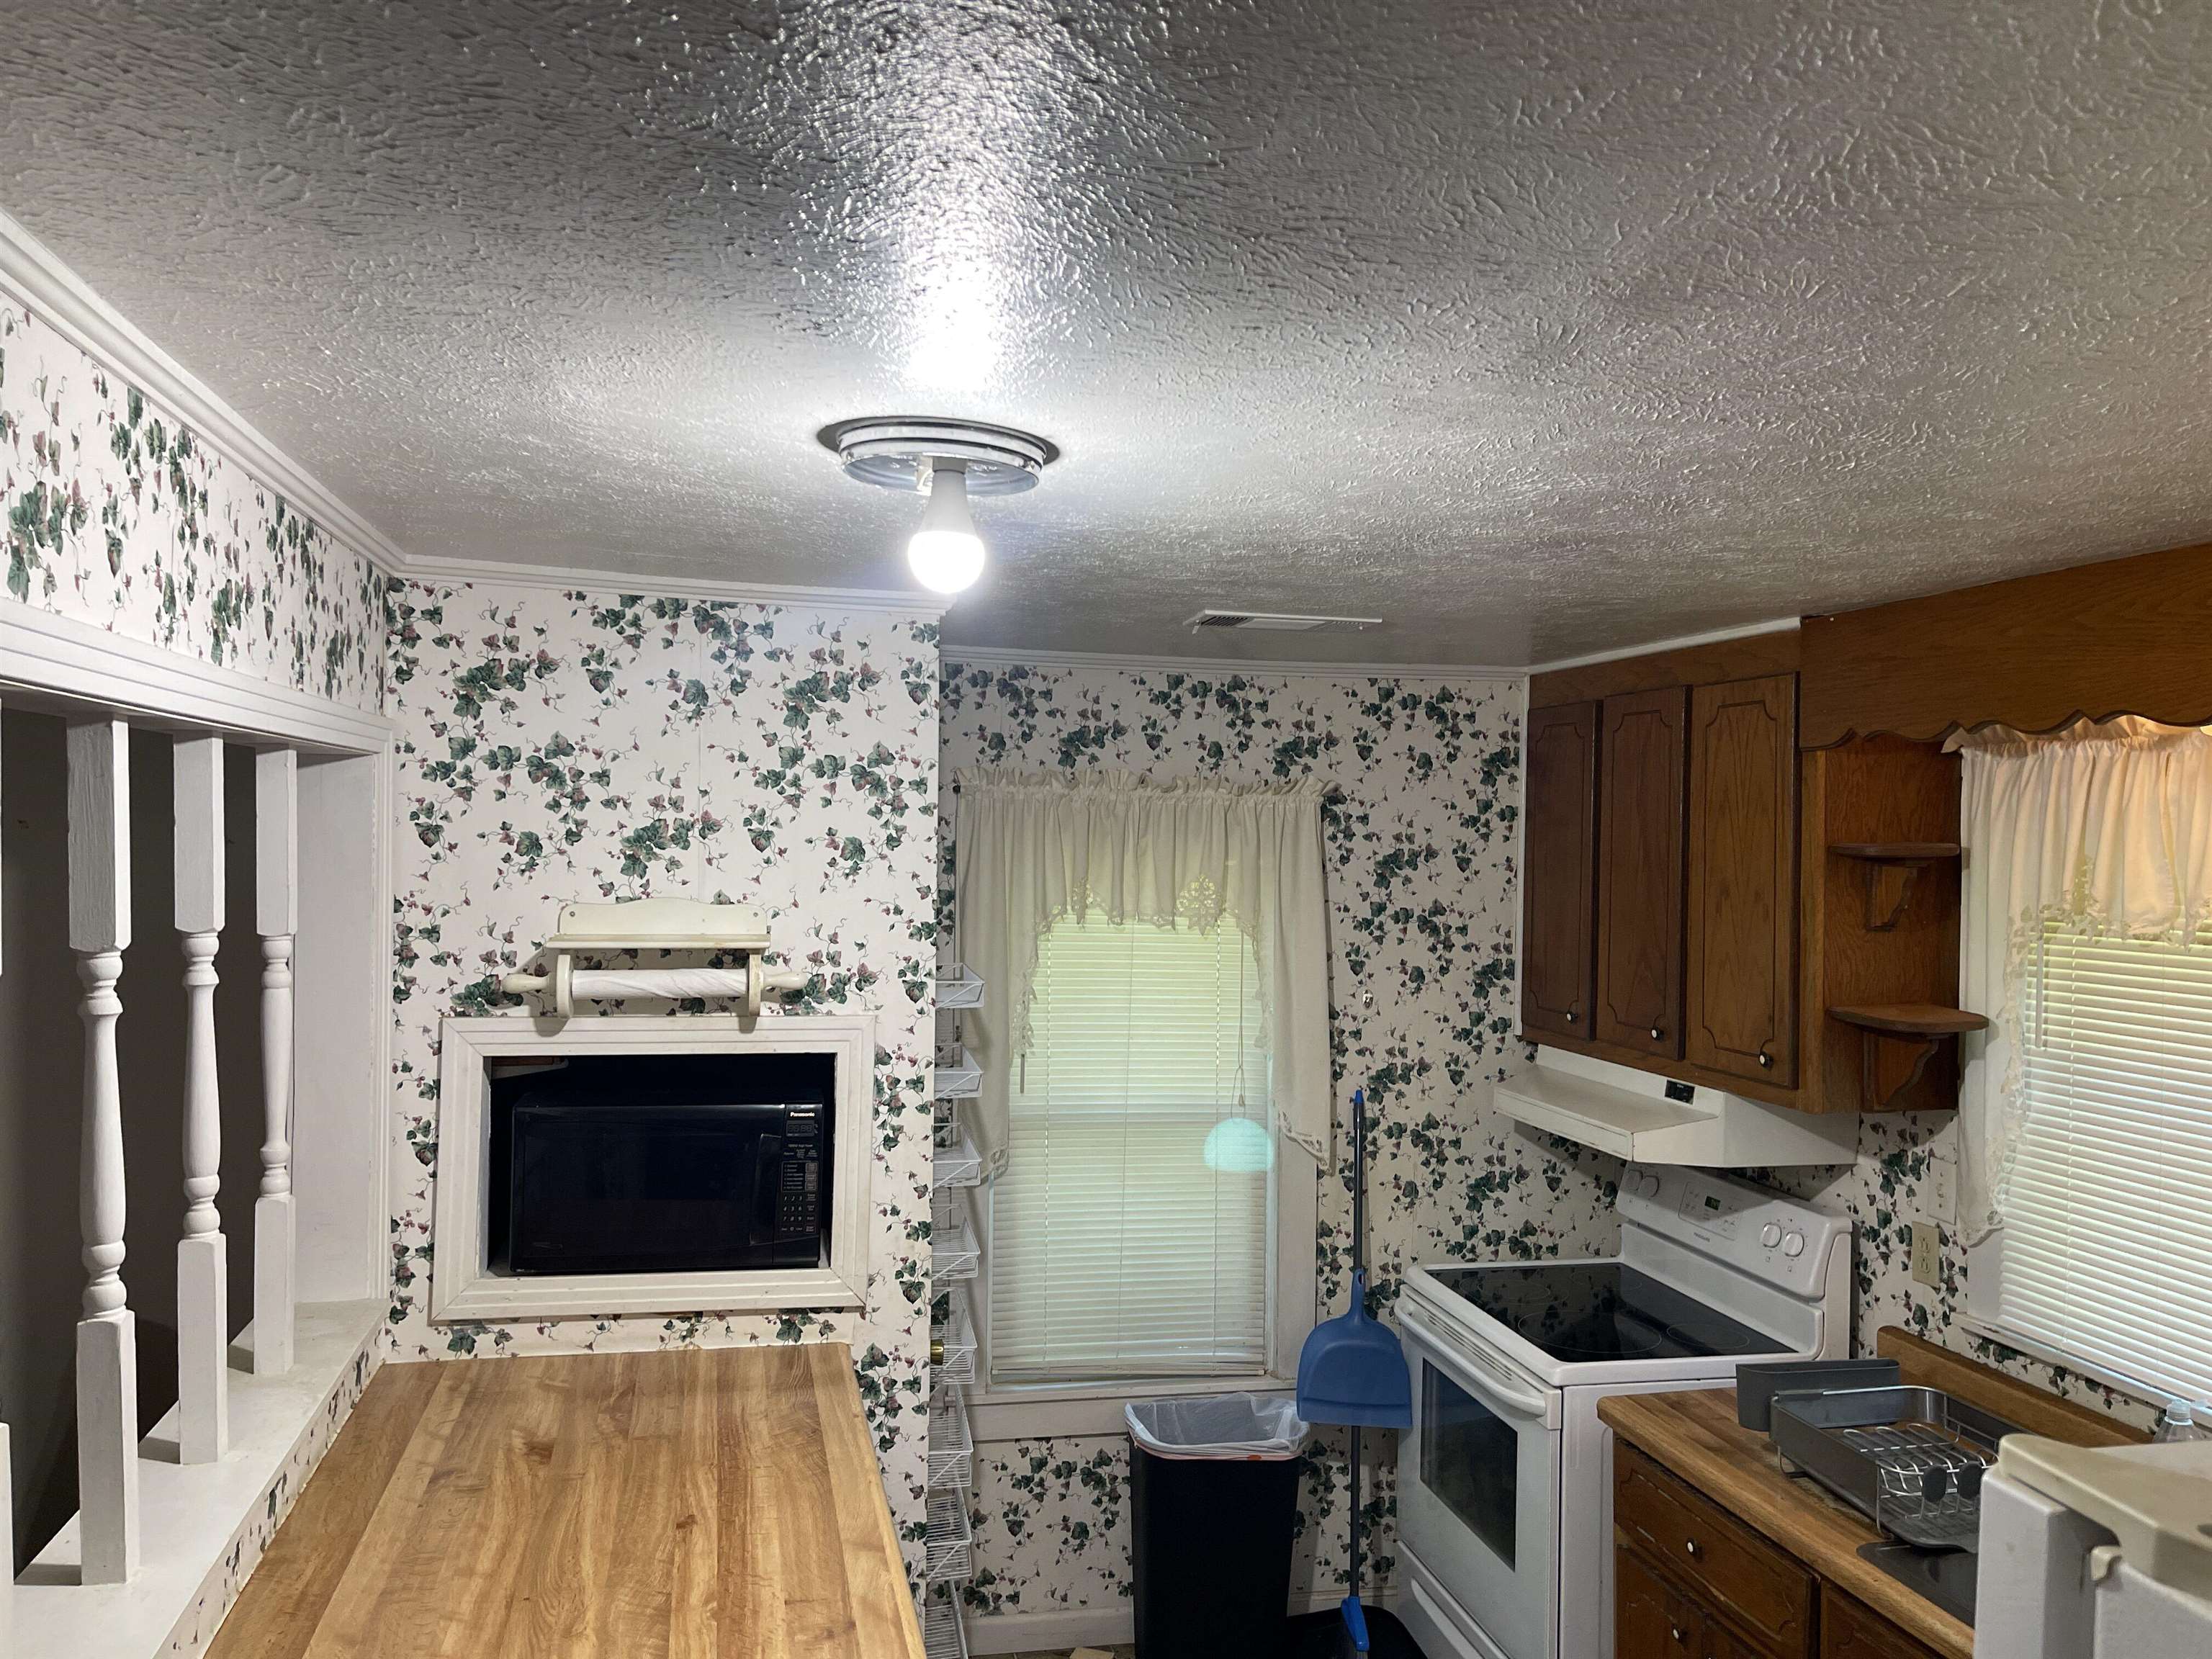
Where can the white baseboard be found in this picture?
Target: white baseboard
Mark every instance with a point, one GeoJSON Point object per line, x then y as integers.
{"type": "Point", "coordinates": [1060, 1628]}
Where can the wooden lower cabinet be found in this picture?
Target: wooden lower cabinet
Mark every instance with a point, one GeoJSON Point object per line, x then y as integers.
{"type": "Point", "coordinates": [1765, 1592]}
{"type": "Point", "coordinates": [1693, 1582]}
{"type": "Point", "coordinates": [1849, 1631]}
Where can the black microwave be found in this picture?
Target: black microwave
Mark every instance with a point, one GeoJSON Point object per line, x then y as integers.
{"type": "Point", "coordinates": [663, 1186]}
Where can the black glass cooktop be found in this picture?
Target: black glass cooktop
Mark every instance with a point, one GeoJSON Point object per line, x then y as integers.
{"type": "Point", "coordinates": [1593, 1310]}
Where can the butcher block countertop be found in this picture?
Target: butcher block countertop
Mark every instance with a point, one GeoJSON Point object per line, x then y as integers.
{"type": "Point", "coordinates": [1696, 1436]}
{"type": "Point", "coordinates": [691, 1503]}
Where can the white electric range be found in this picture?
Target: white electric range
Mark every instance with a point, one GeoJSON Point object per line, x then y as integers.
{"type": "Point", "coordinates": [1504, 1480]}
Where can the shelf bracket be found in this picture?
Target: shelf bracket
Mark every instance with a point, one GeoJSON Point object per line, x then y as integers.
{"type": "Point", "coordinates": [1889, 894]}
{"type": "Point", "coordinates": [1882, 1058]}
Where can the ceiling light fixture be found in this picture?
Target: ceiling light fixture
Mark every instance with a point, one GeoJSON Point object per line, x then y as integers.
{"type": "Point", "coordinates": [948, 461]}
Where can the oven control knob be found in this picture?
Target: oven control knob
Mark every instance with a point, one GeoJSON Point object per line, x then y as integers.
{"type": "Point", "coordinates": [1793, 1244]}
{"type": "Point", "coordinates": [1646, 1186]}
{"type": "Point", "coordinates": [1769, 1234]}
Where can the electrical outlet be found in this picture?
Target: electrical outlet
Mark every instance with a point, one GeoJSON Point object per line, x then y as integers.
{"type": "Point", "coordinates": [1927, 1254]}
{"type": "Point", "coordinates": [1942, 1189]}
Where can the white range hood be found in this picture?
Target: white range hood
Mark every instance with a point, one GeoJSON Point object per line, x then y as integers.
{"type": "Point", "coordinates": [1648, 1119]}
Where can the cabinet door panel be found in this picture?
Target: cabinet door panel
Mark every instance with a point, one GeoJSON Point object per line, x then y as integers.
{"type": "Point", "coordinates": [1849, 1631]}
{"type": "Point", "coordinates": [1558, 915]}
{"type": "Point", "coordinates": [1741, 995]}
{"type": "Point", "coordinates": [1650, 1619]}
{"type": "Point", "coordinates": [1639, 880]}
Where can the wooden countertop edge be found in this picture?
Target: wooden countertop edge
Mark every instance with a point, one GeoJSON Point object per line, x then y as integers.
{"type": "Point", "coordinates": [888, 1622]}
{"type": "Point", "coordinates": [1694, 1435]}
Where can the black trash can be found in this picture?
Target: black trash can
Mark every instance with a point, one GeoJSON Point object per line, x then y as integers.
{"type": "Point", "coordinates": [1213, 1487]}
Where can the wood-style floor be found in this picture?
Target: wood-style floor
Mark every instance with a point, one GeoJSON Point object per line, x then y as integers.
{"type": "Point", "coordinates": [721, 1504]}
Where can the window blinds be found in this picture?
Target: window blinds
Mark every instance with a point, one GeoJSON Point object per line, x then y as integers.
{"type": "Point", "coordinates": [2107, 1238]}
{"type": "Point", "coordinates": [1131, 1232]}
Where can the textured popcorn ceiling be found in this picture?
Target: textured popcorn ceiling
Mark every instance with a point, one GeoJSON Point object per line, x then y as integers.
{"type": "Point", "coordinates": [1536, 327]}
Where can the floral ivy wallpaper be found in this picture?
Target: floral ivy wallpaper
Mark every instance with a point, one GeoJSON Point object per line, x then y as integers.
{"type": "Point", "coordinates": [116, 514]}
{"type": "Point", "coordinates": [1421, 849]}
{"type": "Point", "coordinates": [557, 746]}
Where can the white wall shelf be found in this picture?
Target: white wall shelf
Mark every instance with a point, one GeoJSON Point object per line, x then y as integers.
{"type": "Point", "coordinates": [959, 1075]}
{"type": "Point", "coordinates": [944, 1632]}
{"type": "Point", "coordinates": [954, 1342]}
{"type": "Point", "coordinates": [953, 1253]}
{"type": "Point", "coordinates": [958, 988]}
{"type": "Point", "coordinates": [957, 1163]}
{"type": "Point", "coordinates": [951, 1445]}
{"type": "Point", "coordinates": [949, 1552]}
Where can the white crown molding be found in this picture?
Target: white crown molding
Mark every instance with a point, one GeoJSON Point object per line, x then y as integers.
{"type": "Point", "coordinates": [58, 661]}
{"type": "Point", "coordinates": [1776, 625]}
{"type": "Point", "coordinates": [484, 572]}
{"type": "Point", "coordinates": [996, 656]}
{"type": "Point", "coordinates": [64, 302]}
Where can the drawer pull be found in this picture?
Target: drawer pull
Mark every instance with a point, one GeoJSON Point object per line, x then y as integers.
{"type": "Point", "coordinates": [1697, 1550]}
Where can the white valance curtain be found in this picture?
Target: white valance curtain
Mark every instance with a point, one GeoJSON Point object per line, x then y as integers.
{"type": "Point", "coordinates": [1032, 848]}
{"type": "Point", "coordinates": [2106, 827]}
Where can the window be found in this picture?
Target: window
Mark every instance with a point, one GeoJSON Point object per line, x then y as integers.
{"type": "Point", "coordinates": [1133, 1232]}
{"type": "Point", "coordinates": [2104, 1259]}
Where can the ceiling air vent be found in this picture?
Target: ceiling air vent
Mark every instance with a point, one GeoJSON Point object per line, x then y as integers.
{"type": "Point", "coordinates": [1276, 623]}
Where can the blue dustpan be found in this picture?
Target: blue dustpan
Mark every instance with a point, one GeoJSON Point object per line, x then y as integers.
{"type": "Point", "coordinates": [1351, 1371]}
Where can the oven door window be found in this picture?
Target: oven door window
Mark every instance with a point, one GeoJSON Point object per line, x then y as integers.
{"type": "Point", "coordinates": [1470, 1461]}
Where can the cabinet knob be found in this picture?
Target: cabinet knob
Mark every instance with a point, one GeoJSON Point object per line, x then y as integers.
{"type": "Point", "coordinates": [1656, 1033]}
{"type": "Point", "coordinates": [1675, 1632]}
{"type": "Point", "coordinates": [1696, 1551]}
{"type": "Point", "coordinates": [1766, 1059]}
{"type": "Point", "coordinates": [1572, 1012]}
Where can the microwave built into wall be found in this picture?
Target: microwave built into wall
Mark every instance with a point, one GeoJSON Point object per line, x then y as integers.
{"type": "Point", "coordinates": [598, 1175]}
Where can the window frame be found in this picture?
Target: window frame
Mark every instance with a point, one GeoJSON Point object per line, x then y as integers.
{"type": "Point", "coordinates": [1010, 1410]}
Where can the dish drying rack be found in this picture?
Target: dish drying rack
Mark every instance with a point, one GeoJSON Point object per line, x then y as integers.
{"type": "Point", "coordinates": [1930, 1489]}
{"type": "Point", "coordinates": [1911, 1460]}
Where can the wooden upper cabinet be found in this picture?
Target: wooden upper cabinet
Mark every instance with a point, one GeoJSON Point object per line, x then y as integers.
{"type": "Point", "coordinates": [1639, 880]}
{"type": "Point", "coordinates": [1558, 954]}
{"type": "Point", "coordinates": [1741, 995]}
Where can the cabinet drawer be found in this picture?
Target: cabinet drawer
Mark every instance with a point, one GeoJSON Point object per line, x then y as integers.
{"type": "Point", "coordinates": [1849, 1631]}
{"type": "Point", "coordinates": [1725, 1562]}
{"type": "Point", "coordinates": [1651, 1619]}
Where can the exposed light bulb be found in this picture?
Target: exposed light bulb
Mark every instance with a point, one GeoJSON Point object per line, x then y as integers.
{"type": "Point", "coordinates": [946, 554]}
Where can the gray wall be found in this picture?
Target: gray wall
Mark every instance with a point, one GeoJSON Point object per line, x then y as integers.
{"type": "Point", "coordinates": [40, 1044]}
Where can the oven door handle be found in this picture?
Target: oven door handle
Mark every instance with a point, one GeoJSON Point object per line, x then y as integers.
{"type": "Point", "coordinates": [1484, 1380]}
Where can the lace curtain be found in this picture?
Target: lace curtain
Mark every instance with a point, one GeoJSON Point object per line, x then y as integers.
{"type": "Point", "coordinates": [2106, 827]}
{"type": "Point", "coordinates": [1031, 849]}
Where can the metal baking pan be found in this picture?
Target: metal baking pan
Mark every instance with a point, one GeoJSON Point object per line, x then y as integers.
{"type": "Point", "coordinates": [1909, 1458]}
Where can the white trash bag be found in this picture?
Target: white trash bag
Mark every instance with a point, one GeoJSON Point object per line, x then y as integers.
{"type": "Point", "coordinates": [1219, 1427]}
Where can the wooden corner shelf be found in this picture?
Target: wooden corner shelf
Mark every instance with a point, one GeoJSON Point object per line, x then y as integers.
{"type": "Point", "coordinates": [1900, 1038]}
{"type": "Point", "coordinates": [1892, 869]}
{"type": "Point", "coordinates": [1910, 1019]}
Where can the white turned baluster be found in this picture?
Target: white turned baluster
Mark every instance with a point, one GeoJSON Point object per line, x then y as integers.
{"type": "Point", "coordinates": [106, 1339]}
{"type": "Point", "coordinates": [277, 919]}
{"type": "Point", "coordinates": [202, 1271]}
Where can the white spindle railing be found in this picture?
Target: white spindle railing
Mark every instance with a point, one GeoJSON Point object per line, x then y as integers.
{"type": "Point", "coordinates": [202, 1275]}
{"type": "Point", "coordinates": [107, 1342]}
{"type": "Point", "coordinates": [277, 919]}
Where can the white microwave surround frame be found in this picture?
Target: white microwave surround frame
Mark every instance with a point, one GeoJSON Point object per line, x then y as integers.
{"type": "Point", "coordinates": [463, 1288]}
